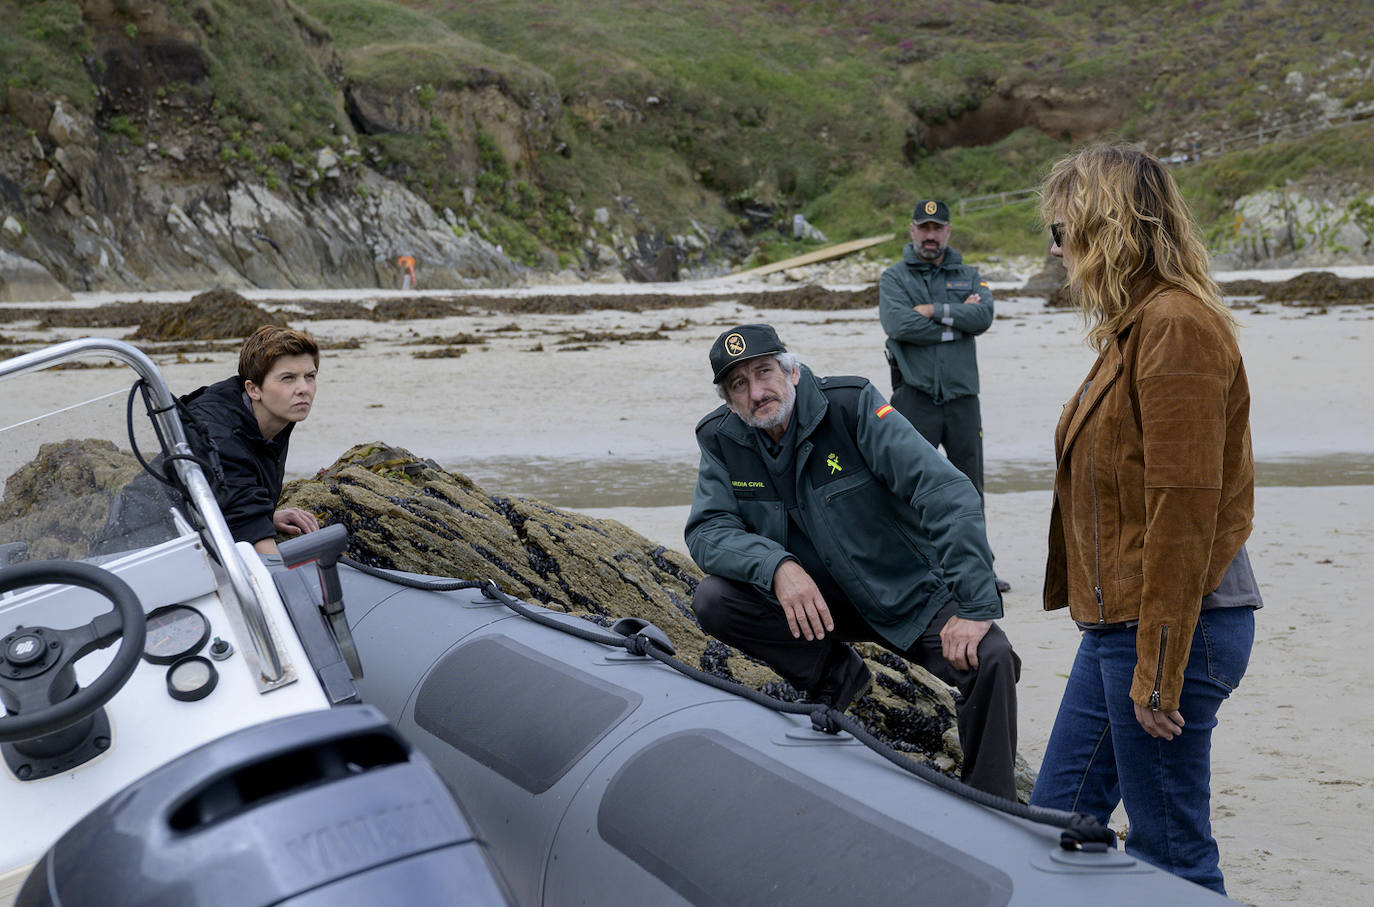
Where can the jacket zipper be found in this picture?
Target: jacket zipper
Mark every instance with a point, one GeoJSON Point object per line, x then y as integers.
{"type": "Point", "coordinates": [1097, 523]}
{"type": "Point", "coordinates": [1097, 516]}
{"type": "Point", "coordinates": [1159, 668]}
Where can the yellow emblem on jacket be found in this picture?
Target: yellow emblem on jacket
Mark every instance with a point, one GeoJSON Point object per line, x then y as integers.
{"type": "Point", "coordinates": [833, 461]}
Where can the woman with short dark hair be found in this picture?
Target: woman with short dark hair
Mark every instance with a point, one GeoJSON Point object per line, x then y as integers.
{"type": "Point", "coordinates": [1153, 502]}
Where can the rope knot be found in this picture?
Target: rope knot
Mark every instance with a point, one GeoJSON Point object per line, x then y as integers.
{"type": "Point", "coordinates": [1083, 833]}
{"type": "Point", "coordinates": [826, 720]}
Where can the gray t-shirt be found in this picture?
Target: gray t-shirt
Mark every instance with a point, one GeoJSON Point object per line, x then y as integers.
{"type": "Point", "coordinates": [1238, 589]}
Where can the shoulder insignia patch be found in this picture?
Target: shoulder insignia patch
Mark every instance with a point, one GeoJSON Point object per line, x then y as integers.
{"type": "Point", "coordinates": [883, 410]}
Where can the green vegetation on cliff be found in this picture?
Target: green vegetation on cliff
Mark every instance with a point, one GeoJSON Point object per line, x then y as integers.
{"type": "Point", "coordinates": [261, 77]}
{"type": "Point", "coordinates": [848, 109]}
{"type": "Point", "coordinates": [42, 48]}
{"type": "Point", "coordinates": [1339, 156]}
{"type": "Point", "coordinates": [524, 117]}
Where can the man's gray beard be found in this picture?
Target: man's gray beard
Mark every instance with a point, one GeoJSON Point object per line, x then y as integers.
{"type": "Point", "coordinates": [927, 255]}
{"type": "Point", "coordinates": [784, 412]}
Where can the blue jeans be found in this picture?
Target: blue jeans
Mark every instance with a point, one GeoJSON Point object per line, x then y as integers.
{"type": "Point", "coordinates": [1099, 756]}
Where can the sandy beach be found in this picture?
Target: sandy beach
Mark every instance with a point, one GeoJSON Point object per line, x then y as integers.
{"type": "Point", "coordinates": [606, 427]}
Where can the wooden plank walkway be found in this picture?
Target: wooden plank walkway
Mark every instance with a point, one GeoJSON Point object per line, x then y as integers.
{"type": "Point", "coordinates": [810, 258]}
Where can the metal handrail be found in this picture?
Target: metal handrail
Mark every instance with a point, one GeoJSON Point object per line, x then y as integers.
{"type": "Point", "coordinates": [202, 498]}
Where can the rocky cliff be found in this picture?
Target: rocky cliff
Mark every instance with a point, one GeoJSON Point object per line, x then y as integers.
{"type": "Point", "coordinates": [1279, 228]}
{"type": "Point", "coordinates": [147, 217]}
{"type": "Point", "coordinates": [155, 184]}
{"type": "Point", "coordinates": [151, 144]}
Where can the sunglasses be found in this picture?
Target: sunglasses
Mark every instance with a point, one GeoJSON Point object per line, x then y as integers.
{"type": "Point", "coordinates": [1057, 233]}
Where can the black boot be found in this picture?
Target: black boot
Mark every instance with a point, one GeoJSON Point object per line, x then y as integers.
{"type": "Point", "coordinates": [842, 686]}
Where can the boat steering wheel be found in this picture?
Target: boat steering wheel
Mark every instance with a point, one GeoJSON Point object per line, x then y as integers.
{"type": "Point", "coordinates": [32, 658]}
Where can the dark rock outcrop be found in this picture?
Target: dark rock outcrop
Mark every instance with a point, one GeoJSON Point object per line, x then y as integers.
{"type": "Point", "coordinates": [405, 512]}
{"type": "Point", "coordinates": [54, 502]}
{"type": "Point", "coordinates": [1075, 115]}
{"type": "Point", "coordinates": [1050, 283]}
{"type": "Point", "coordinates": [1312, 289]}
{"type": "Point", "coordinates": [478, 101]}
{"type": "Point", "coordinates": [1315, 289]}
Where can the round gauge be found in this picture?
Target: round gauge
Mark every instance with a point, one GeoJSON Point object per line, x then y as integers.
{"type": "Point", "coordinates": [191, 679]}
{"type": "Point", "coordinates": [174, 631]}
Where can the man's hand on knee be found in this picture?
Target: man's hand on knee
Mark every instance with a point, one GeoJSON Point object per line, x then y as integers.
{"type": "Point", "coordinates": [802, 602]}
{"type": "Point", "coordinates": [959, 639]}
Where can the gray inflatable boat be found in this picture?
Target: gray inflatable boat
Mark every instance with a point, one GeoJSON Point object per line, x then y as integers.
{"type": "Point", "coordinates": [188, 726]}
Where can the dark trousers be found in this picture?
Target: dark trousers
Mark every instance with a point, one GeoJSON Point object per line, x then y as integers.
{"type": "Point", "coordinates": [741, 615]}
{"type": "Point", "coordinates": [956, 425]}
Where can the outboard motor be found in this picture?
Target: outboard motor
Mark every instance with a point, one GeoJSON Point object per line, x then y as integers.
{"type": "Point", "coordinates": [326, 808]}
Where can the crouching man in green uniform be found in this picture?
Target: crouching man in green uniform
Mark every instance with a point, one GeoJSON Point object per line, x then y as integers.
{"type": "Point", "coordinates": [824, 518]}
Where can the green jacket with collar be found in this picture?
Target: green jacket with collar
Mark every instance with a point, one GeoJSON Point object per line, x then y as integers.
{"type": "Point", "coordinates": [899, 528]}
{"type": "Point", "coordinates": [935, 355]}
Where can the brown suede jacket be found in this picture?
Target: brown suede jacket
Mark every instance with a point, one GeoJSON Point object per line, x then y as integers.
{"type": "Point", "coordinates": [1154, 484]}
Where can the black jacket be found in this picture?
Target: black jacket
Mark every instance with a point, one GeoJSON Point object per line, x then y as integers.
{"type": "Point", "coordinates": [249, 468]}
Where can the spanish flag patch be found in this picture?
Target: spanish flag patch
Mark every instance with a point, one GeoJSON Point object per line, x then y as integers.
{"type": "Point", "coordinates": [883, 410]}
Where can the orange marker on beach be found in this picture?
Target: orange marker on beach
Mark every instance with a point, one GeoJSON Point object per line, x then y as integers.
{"type": "Point", "coordinates": [408, 278]}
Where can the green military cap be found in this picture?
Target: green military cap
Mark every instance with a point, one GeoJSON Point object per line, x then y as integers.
{"type": "Point", "coordinates": [748, 341]}
{"type": "Point", "coordinates": [931, 209]}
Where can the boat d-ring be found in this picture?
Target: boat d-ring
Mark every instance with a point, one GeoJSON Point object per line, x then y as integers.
{"type": "Point", "coordinates": [636, 627]}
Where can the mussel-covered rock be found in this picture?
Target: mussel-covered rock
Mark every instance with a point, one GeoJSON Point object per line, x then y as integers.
{"type": "Point", "coordinates": [406, 513]}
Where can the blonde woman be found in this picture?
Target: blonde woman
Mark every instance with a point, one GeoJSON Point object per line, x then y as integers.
{"type": "Point", "coordinates": [1153, 500]}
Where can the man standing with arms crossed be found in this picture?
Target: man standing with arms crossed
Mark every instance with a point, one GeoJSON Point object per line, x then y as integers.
{"type": "Point", "coordinates": [932, 306]}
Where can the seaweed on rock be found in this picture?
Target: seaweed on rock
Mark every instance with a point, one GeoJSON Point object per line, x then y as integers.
{"type": "Point", "coordinates": [404, 512]}
{"type": "Point", "coordinates": [411, 515]}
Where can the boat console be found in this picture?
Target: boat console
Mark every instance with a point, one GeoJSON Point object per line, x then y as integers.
{"type": "Point", "coordinates": [174, 734]}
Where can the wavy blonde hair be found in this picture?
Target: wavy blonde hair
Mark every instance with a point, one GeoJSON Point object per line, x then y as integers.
{"type": "Point", "coordinates": [1127, 232]}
